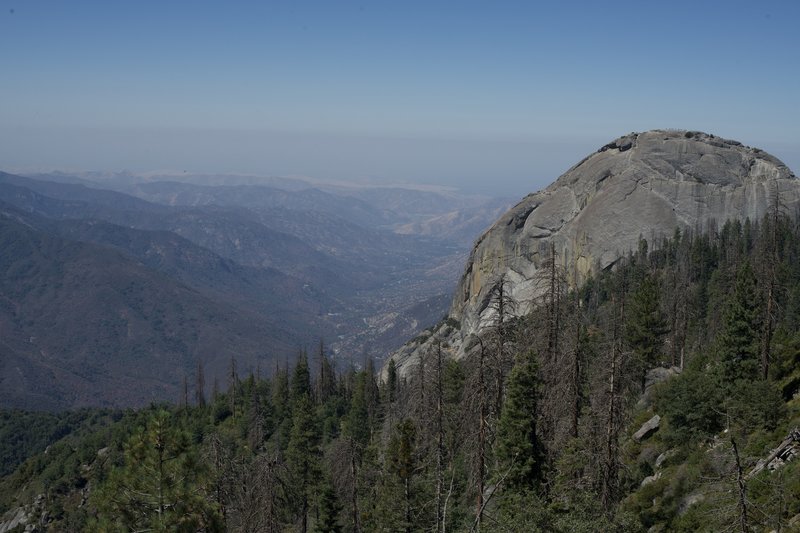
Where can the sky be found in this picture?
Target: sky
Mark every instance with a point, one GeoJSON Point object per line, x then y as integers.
{"type": "Point", "coordinates": [486, 96]}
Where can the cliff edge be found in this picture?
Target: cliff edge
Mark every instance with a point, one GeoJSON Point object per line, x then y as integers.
{"type": "Point", "coordinates": [640, 185]}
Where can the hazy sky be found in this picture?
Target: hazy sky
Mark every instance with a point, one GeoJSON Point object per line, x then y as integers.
{"type": "Point", "coordinates": [488, 95]}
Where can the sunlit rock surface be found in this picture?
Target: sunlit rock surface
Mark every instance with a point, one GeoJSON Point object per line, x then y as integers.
{"type": "Point", "coordinates": [640, 185]}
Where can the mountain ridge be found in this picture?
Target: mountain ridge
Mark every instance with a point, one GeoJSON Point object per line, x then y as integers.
{"type": "Point", "coordinates": [84, 324]}
{"type": "Point", "coordinates": [641, 185]}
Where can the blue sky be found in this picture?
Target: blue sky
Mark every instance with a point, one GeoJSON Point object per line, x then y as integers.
{"type": "Point", "coordinates": [495, 96]}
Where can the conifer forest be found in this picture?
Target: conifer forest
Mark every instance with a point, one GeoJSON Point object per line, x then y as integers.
{"type": "Point", "coordinates": [648, 399]}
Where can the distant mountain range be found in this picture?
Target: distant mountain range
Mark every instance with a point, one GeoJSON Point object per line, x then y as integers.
{"type": "Point", "coordinates": [113, 290]}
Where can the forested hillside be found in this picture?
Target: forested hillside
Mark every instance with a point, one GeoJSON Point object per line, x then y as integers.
{"type": "Point", "coordinates": [650, 399]}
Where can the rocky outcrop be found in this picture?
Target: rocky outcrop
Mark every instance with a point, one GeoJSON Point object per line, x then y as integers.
{"type": "Point", "coordinates": [647, 429]}
{"type": "Point", "coordinates": [640, 185]}
{"type": "Point", "coordinates": [28, 518]}
{"type": "Point", "coordinates": [788, 450]}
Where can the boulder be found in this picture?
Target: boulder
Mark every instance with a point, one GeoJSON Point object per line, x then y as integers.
{"type": "Point", "coordinates": [661, 459]}
{"type": "Point", "coordinates": [650, 479]}
{"type": "Point", "coordinates": [660, 374]}
{"type": "Point", "coordinates": [647, 429]}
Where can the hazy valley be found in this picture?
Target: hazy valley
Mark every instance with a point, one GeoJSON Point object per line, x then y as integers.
{"type": "Point", "coordinates": [277, 270]}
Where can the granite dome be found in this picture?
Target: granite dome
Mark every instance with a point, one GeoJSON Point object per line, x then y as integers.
{"type": "Point", "coordinates": [640, 185]}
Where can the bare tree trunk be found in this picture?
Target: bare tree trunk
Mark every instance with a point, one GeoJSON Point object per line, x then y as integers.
{"type": "Point", "coordinates": [447, 499]}
{"type": "Point", "coordinates": [766, 336]}
{"type": "Point", "coordinates": [576, 381]}
{"type": "Point", "coordinates": [421, 380]}
{"type": "Point", "coordinates": [161, 476]}
{"type": "Point", "coordinates": [481, 437]}
{"type": "Point", "coordinates": [407, 497]}
{"type": "Point", "coordinates": [304, 521]}
{"type": "Point", "coordinates": [439, 439]}
{"type": "Point", "coordinates": [674, 317]}
{"type": "Point", "coordinates": [221, 465]}
{"type": "Point", "coordinates": [610, 455]}
{"type": "Point", "coordinates": [200, 391]}
{"type": "Point", "coordinates": [354, 488]}
{"type": "Point", "coordinates": [232, 378]}
{"type": "Point", "coordinates": [501, 341]}
{"type": "Point", "coordinates": [610, 467]}
{"type": "Point", "coordinates": [742, 491]}
{"type": "Point", "coordinates": [321, 379]}
{"type": "Point", "coordinates": [552, 311]}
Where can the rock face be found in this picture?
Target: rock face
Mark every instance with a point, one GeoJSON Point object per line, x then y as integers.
{"type": "Point", "coordinates": [641, 185]}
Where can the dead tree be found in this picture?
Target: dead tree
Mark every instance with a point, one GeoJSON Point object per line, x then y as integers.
{"type": "Point", "coordinates": [480, 475]}
{"type": "Point", "coordinates": [610, 459]}
{"type": "Point", "coordinates": [741, 491]}
{"type": "Point", "coordinates": [546, 337]}
{"type": "Point", "coordinates": [326, 376]}
{"type": "Point", "coordinates": [233, 384]}
{"type": "Point", "coordinates": [439, 440]}
{"type": "Point", "coordinates": [504, 308]}
{"type": "Point", "coordinates": [257, 495]}
{"type": "Point", "coordinates": [575, 381]}
{"type": "Point", "coordinates": [200, 388]}
{"type": "Point", "coordinates": [344, 460]}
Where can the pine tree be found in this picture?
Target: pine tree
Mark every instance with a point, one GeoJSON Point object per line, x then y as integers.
{"type": "Point", "coordinates": [258, 413]}
{"type": "Point", "coordinates": [402, 463]}
{"type": "Point", "coordinates": [373, 394]}
{"type": "Point", "coordinates": [737, 346]}
{"type": "Point", "coordinates": [329, 509]}
{"type": "Point", "coordinates": [391, 381]}
{"type": "Point", "coordinates": [518, 447]}
{"type": "Point", "coordinates": [282, 405]}
{"type": "Point", "coordinates": [301, 379]}
{"type": "Point", "coordinates": [160, 486]}
{"type": "Point", "coordinates": [303, 455]}
{"type": "Point", "coordinates": [357, 423]}
{"type": "Point", "coordinates": [645, 325]}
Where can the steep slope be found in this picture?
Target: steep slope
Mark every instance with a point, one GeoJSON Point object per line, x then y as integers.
{"type": "Point", "coordinates": [640, 185]}
{"type": "Point", "coordinates": [287, 301]}
{"type": "Point", "coordinates": [82, 324]}
{"type": "Point", "coordinates": [231, 233]}
{"type": "Point", "coordinates": [78, 196]}
{"type": "Point", "coordinates": [372, 276]}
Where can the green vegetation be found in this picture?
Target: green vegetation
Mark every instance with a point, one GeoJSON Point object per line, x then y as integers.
{"type": "Point", "coordinates": [23, 434]}
{"type": "Point", "coordinates": [533, 432]}
{"type": "Point", "coordinates": [160, 486]}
